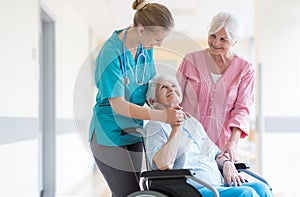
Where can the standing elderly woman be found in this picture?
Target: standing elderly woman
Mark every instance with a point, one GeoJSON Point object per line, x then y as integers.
{"type": "Point", "coordinates": [218, 85]}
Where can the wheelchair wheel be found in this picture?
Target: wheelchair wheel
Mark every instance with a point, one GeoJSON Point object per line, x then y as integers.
{"type": "Point", "coordinates": [147, 194]}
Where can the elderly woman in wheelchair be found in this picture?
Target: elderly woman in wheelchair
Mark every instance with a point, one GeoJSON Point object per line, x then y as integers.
{"type": "Point", "coordinates": [188, 147]}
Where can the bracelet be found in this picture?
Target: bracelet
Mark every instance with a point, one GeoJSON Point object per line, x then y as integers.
{"type": "Point", "coordinates": [226, 160]}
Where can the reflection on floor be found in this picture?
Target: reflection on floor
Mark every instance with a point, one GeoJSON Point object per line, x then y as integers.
{"type": "Point", "coordinates": [93, 185]}
{"type": "Point", "coordinates": [76, 174]}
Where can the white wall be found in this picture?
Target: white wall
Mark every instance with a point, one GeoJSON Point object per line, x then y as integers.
{"type": "Point", "coordinates": [278, 49]}
{"type": "Point", "coordinates": [19, 55]}
{"type": "Point", "coordinates": [18, 59]}
{"type": "Point", "coordinates": [72, 47]}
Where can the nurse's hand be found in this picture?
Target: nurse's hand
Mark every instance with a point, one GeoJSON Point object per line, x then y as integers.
{"type": "Point", "coordinates": [174, 115]}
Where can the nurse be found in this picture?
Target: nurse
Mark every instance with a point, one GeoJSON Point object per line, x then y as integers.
{"type": "Point", "coordinates": [123, 68]}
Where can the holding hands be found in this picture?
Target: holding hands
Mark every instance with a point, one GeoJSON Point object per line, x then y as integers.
{"type": "Point", "coordinates": [175, 115]}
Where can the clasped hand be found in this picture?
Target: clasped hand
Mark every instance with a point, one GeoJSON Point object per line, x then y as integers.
{"type": "Point", "coordinates": [175, 115]}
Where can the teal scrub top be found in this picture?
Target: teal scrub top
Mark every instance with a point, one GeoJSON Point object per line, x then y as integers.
{"type": "Point", "coordinates": [109, 78]}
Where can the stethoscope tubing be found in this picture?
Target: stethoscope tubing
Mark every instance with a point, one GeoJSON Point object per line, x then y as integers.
{"type": "Point", "coordinates": [142, 54]}
{"type": "Point", "coordinates": [124, 65]}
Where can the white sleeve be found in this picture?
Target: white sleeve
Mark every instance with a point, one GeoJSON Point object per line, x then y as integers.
{"type": "Point", "coordinates": [155, 137]}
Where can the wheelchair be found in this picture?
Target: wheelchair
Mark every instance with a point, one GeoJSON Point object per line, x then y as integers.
{"type": "Point", "coordinates": [173, 183]}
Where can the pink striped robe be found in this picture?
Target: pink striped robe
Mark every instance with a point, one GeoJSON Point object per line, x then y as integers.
{"type": "Point", "coordinates": [218, 106]}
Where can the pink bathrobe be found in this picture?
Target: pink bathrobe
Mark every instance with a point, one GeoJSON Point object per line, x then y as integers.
{"type": "Point", "coordinates": [220, 105]}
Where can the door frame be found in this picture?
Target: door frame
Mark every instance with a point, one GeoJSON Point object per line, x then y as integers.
{"type": "Point", "coordinates": [47, 104]}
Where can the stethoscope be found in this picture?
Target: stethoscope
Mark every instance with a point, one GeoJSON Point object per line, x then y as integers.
{"type": "Point", "coordinates": [141, 55]}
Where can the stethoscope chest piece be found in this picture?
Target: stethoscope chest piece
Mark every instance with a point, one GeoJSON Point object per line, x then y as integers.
{"type": "Point", "coordinates": [126, 80]}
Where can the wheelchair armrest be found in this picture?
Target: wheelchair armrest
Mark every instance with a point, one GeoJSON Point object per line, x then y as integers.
{"type": "Point", "coordinates": [173, 174]}
{"type": "Point", "coordinates": [243, 167]}
{"type": "Point", "coordinates": [240, 166]}
{"type": "Point", "coordinates": [167, 173]}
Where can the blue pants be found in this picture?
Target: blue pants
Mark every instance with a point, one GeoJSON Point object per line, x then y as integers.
{"type": "Point", "coordinates": [250, 189]}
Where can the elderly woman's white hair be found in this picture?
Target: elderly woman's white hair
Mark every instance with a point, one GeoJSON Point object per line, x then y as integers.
{"type": "Point", "coordinates": [230, 22]}
{"type": "Point", "coordinates": [151, 92]}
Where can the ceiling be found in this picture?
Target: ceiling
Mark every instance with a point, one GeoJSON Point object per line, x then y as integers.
{"type": "Point", "coordinates": [192, 17]}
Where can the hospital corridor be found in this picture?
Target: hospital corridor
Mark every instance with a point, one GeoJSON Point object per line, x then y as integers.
{"type": "Point", "coordinates": [48, 52]}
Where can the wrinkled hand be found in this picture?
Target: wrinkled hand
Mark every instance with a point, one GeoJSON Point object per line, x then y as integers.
{"type": "Point", "coordinates": [230, 149]}
{"type": "Point", "coordinates": [175, 115]}
{"type": "Point", "coordinates": [230, 174]}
